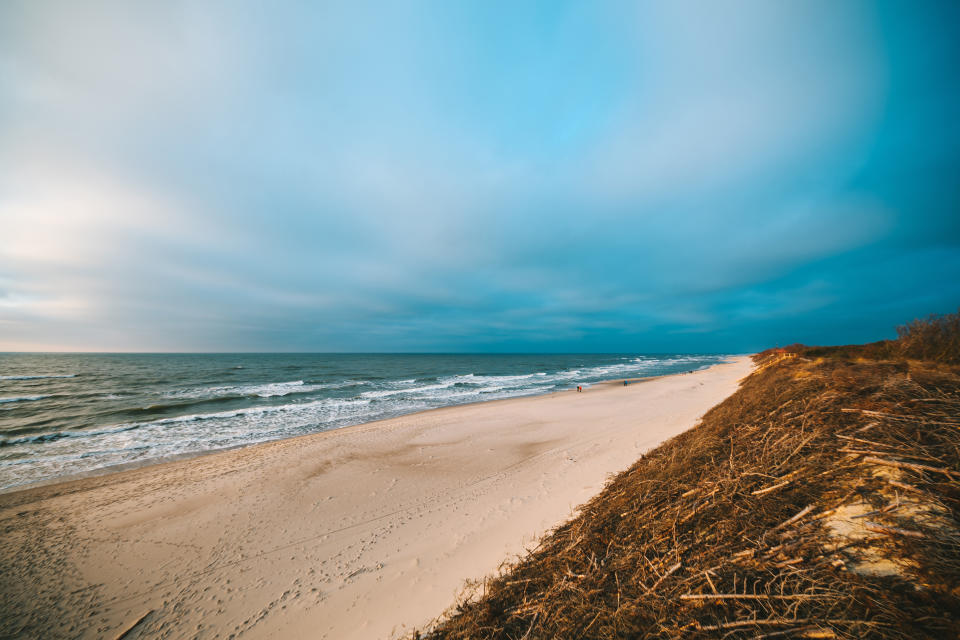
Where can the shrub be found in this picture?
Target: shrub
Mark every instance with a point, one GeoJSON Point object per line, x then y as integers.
{"type": "Point", "coordinates": [936, 337]}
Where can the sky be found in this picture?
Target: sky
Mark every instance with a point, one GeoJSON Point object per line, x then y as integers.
{"type": "Point", "coordinates": [718, 176]}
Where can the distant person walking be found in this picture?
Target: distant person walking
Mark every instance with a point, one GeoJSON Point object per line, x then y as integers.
{"type": "Point", "coordinates": [579, 388]}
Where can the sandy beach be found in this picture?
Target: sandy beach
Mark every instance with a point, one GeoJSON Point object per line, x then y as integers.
{"type": "Point", "coordinates": [362, 532]}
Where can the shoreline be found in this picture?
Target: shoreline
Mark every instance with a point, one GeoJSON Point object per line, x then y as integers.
{"type": "Point", "coordinates": [191, 455]}
{"type": "Point", "coordinates": [357, 532]}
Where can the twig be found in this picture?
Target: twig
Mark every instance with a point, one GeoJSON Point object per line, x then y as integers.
{"type": "Point", "coordinates": [750, 596]}
{"type": "Point", "coordinates": [803, 512]}
{"type": "Point", "coordinates": [879, 528]}
{"type": "Point", "coordinates": [909, 465]}
{"type": "Point", "coordinates": [710, 582]}
{"type": "Point", "coordinates": [760, 492]}
{"type": "Point", "coordinates": [792, 561]}
{"type": "Point", "coordinates": [595, 618]}
{"type": "Point", "coordinates": [776, 621]}
{"type": "Point", "coordinates": [864, 441]}
{"type": "Point", "coordinates": [889, 507]}
{"type": "Point", "coordinates": [809, 631]}
{"type": "Point", "coordinates": [530, 628]}
{"type": "Point", "coordinates": [893, 416]}
{"type": "Point", "coordinates": [663, 577]}
{"type": "Point", "coordinates": [796, 451]}
{"type": "Point", "coordinates": [905, 486]}
{"type": "Point", "coordinates": [871, 452]}
{"type": "Point", "coordinates": [575, 543]}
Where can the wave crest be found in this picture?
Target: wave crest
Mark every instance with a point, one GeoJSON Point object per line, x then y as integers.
{"type": "Point", "coordinates": [21, 399]}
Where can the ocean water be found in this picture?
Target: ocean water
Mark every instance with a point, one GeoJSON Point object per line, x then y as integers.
{"type": "Point", "coordinates": [63, 414]}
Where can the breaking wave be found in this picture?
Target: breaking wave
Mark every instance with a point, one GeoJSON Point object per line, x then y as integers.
{"type": "Point", "coordinates": [22, 399]}
{"type": "Point", "coordinates": [70, 375]}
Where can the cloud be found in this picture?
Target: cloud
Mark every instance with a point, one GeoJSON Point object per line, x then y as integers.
{"type": "Point", "coordinates": [447, 177]}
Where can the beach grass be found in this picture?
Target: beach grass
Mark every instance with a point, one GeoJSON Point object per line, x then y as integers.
{"type": "Point", "coordinates": [822, 499]}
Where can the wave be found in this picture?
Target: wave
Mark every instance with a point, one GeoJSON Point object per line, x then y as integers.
{"type": "Point", "coordinates": [277, 389]}
{"type": "Point", "coordinates": [168, 407]}
{"type": "Point", "coordinates": [334, 404]}
{"type": "Point", "coordinates": [159, 412]}
{"type": "Point", "coordinates": [457, 383]}
{"type": "Point", "coordinates": [22, 399]}
{"type": "Point", "coordinates": [474, 378]}
{"type": "Point", "coordinates": [340, 385]}
{"type": "Point", "coordinates": [385, 393]}
{"type": "Point", "coordinates": [57, 435]}
{"type": "Point", "coordinates": [268, 390]}
{"type": "Point", "coordinates": [541, 381]}
{"type": "Point", "coordinates": [71, 375]}
{"type": "Point", "coordinates": [402, 395]}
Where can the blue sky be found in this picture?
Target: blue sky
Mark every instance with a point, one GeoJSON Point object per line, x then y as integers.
{"type": "Point", "coordinates": [488, 176]}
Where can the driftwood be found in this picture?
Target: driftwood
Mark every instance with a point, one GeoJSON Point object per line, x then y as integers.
{"type": "Point", "coordinates": [126, 632]}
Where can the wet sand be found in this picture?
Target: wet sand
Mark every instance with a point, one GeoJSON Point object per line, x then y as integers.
{"type": "Point", "coordinates": [362, 532]}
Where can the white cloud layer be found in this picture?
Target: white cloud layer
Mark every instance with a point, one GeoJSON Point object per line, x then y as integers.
{"type": "Point", "coordinates": [225, 176]}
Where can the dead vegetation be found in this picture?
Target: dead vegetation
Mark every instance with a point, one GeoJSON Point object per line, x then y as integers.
{"type": "Point", "coordinates": [935, 338]}
{"type": "Point", "coordinates": [822, 500]}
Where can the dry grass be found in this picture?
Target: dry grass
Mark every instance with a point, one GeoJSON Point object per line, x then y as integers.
{"type": "Point", "coordinates": [820, 500]}
{"type": "Point", "coordinates": [935, 338]}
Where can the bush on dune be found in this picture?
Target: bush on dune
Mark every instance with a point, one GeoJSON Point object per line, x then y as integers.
{"type": "Point", "coordinates": [935, 338]}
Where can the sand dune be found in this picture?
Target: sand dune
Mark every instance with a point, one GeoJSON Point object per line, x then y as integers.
{"type": "Point", "coordinates": [362, 532]}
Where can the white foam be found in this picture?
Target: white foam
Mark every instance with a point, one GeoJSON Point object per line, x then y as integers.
{"type": "Point", "coordinates": [329, 407]}
{"type": "Point", "coordinates": [268, 390]}
{"type": "Point", "coordinates": [385, 393]}
{"type": "Point", "coordinates": [247, 411]}
{"type": "Point", "coordinates": [54, 453]}
{"type": "Point", "coordinates": [22, 399]}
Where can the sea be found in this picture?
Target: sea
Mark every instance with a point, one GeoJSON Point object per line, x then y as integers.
{"type": "Point", "coordinates": [67, 414]}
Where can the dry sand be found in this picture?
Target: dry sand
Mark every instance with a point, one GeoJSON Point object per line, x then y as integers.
{"type": "Point", "coordinates": [361, 532]}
